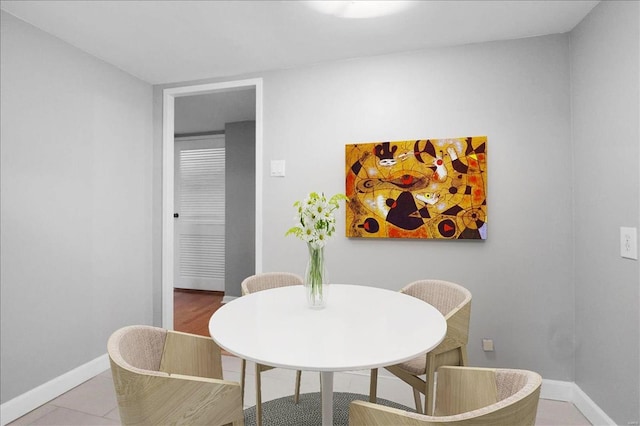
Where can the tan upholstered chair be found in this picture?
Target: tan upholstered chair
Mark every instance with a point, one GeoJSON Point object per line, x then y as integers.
{"type": "Point", "coordinates": [465, 397]}
{"type": "Point", "coordinates": [166, 377]}
{"type": "Point", "coordinates": [252, 284]}
{"type": "Point", "coordinates": [454, 302]}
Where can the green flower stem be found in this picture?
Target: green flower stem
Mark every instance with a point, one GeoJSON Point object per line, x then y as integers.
{"type": "Point", "coordinates": [315, 272]}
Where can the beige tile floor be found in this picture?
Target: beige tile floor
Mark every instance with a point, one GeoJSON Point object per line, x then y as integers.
{"type": "Point", "coordinates": [94, 402]}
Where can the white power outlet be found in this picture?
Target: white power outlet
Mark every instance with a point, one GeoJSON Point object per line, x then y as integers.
{"type": "Point", "coordinates": [629, 243]}
{"type": "Point", "coordinates": [487, 345]}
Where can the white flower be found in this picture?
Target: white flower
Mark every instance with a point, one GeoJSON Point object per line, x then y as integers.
{"type": "Point", "coordinates": [322, 237]}
{"type": "Point", "coordinates": [315, 218]}
{"type": "Point", "coordinates": [321, 207]}
{"type": "Point", "coordinates": [309, 235]}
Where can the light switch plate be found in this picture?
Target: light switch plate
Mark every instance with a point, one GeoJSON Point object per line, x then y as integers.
{"type": "Point", "coordinates": [277, 168]}
{"type": "Point", "coordinates": [629, 243]}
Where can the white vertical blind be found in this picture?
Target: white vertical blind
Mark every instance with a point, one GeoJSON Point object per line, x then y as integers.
{"type": "Point", "coordinates": [202, 185]}
{"type": "Point", "coordinates": [202, 256]}
{"type": "Point", "coordinates": [202, 202]}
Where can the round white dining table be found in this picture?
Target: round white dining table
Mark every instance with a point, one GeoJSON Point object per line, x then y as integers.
{"type": "Point", "coordinates": [360, 328]}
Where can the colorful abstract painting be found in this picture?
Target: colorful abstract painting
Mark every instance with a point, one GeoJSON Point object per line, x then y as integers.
{"type": "Point", "coordinates": [431, 188]}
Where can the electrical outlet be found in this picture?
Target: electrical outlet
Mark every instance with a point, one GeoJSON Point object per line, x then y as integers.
{"type": "Point", "coordinates": [629, 243]}
{"type": "Point", "coordinates": [487, 345]}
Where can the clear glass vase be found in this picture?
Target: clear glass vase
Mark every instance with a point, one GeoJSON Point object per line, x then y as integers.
{"type": "Point", "coordinates": [316, 281]}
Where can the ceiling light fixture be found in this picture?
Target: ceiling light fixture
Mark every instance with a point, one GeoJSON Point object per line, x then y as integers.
{"type": "Point", "coordinates": [359, 9]}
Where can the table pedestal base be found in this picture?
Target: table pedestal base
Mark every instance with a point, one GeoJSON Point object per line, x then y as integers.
{"type": "Point", "coordinates": [326, 386]}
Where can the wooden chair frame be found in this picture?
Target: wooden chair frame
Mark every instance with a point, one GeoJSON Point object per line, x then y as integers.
{"type": "Point", "coordinates": [464, 397]}
{"type": "Point", "coordinates": [186, 388]}
{"type": "Point", "coordinates": [451, 351]}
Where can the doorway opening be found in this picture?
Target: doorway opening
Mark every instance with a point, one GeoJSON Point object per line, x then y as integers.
{"type": "Point", "coordinates": [169, 201]}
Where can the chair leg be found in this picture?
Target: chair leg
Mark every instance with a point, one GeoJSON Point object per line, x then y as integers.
{"type": "Point", "coordinates": [258, 397]}
{"type": "Point", "coordinates": [373, 386]}
{"type": "Point", "coordinates": [428, 400]}
{"type": "Point", "coordinates": [243, 376]}
{"type": "Point", "coordinates": [296, 395]}
{"type": "Point", "coordinates": [429, 385]}
{"type": "Point", "coordinates": [463, 356]}
{"type": "Point", "coordinates": [416, 398]}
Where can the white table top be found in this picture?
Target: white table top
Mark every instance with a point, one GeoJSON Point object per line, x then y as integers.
{"type": "Point", "coordinates": [361, 328]}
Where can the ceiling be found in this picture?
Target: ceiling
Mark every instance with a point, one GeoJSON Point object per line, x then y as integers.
{"type": "Point", "coordinates": [171, 41]}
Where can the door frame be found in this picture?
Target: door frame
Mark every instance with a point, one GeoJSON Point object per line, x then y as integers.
{"type": "Point", "coordinates": [168, 130]}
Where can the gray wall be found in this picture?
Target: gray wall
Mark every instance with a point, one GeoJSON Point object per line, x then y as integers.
{"type": "Point", "coordinates": [605, 109]}
{"type": "Point", "coordinates": [75, 205]}
{"type": "Point", "coordinates": [240, 204]}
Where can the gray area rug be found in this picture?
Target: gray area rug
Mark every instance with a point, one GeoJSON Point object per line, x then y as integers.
{"type": "Point", "coordinates": [308, 411]}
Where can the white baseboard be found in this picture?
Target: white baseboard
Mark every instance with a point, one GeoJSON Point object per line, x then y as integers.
{"type": "Point", "coordinates": [557, 390]}
{"type": "Point", "coordinates": [227, 299]}
{"type": "Point", "coordinates": [28, 401]}
{"type": "Point", "coordinates": [590, 409]}
{"type": "Point", "coordinates": [571, 392]}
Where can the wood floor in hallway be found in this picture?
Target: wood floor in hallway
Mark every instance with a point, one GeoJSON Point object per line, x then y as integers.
{"type": "Point", "coordinates": [193, 308]}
